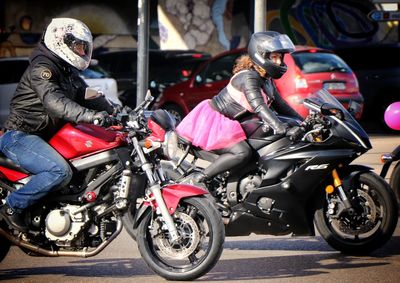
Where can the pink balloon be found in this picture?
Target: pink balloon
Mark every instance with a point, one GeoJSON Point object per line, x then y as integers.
{"type": "Point", "coordinates": [392, 116]}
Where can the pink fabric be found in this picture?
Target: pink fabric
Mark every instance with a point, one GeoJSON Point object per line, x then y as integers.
{"type": "Point", "coordinates": [210, 130]}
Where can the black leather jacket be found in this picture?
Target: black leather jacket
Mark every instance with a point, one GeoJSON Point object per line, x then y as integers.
{"type": "Point", "coordinates": [50, 93]}
{"type": "Point", "coordinates": [250, 84]}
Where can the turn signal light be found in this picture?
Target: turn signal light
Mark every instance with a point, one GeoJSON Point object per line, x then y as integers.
{"type": "Point", "coordinates": [329, 189]}
{"type": "Point", "coordinates": [386, 157]}
{"type": "Point", "coordinates": [148, 143]}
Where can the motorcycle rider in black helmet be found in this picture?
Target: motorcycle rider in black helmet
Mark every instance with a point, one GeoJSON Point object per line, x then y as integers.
{"type": "Point", "coordinates": [49, 94]}
{"type": "Point", "coordinates": [212, 125]}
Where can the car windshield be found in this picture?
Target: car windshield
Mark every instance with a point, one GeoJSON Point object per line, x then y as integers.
{"type": "Point", "coordinates": [319, 62]}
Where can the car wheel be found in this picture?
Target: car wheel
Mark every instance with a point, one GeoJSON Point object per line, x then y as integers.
{"type": "Point", "coordinates": [175, 110]}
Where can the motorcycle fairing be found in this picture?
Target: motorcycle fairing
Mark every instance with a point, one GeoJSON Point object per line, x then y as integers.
{"type": "Point", "coordinates": [292, 193]}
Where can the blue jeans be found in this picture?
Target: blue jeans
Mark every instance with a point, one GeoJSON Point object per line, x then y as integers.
{"type": "Point", "coordinates": [49, 169]}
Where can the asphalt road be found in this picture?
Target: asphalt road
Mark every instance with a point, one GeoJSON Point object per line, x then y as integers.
{"type": "Point", "coordinates": [256, 258]}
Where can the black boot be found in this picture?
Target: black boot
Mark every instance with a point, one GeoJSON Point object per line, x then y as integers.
{"type": "Point", "coordinates": [12, 218]}
{"type": "Point", "coordinates": [199, 179]}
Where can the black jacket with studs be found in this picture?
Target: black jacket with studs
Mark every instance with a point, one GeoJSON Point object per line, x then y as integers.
{"type": "Point", "coordinates": [49, 94]}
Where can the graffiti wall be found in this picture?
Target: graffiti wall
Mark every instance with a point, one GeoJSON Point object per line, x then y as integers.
{"type": "Point", "coordinates": [23, 22]}
{"type": "Point", "coordinates": [329, 23]}
{"type": "Point", "coordinates": [206, 25]}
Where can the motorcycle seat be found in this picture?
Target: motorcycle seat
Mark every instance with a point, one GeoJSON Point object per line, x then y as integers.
{"type": "Point", "coordinates": [8, 163]}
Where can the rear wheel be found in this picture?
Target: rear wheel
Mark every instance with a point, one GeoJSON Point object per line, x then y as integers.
{"type": "Point", "coordinates": [197, 251]}
{"type": "Point", "coordinates": [371, 224]}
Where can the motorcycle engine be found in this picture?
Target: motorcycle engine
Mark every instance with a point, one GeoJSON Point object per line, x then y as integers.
{"type": "Point", "coordinates": [63, 225]}
{"type": "Point", "coordinates": [248, 184]}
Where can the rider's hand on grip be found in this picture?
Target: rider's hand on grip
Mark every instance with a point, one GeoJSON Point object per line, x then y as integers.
{"type": "Point", "coordinates": [295, 133]}
{"type": "Point", "coordinates": [102, 119]}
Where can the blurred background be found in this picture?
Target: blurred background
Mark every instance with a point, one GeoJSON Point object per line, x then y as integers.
{"type": "Point", "coordinates": [186, 36]}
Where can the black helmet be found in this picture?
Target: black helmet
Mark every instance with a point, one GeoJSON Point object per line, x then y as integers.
{"type": "Point", "coordinates": [262, 44]}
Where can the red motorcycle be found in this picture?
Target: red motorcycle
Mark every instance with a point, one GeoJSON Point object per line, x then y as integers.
{"type": "Point", "coordinates": [117, 182]}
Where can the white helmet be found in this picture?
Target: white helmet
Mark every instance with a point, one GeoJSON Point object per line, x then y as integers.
{"type": "Point", "coordinates": [71, 40]}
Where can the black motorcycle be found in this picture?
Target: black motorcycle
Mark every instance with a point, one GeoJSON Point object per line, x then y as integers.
{"type": "Point", "coordinates": [289, 186]}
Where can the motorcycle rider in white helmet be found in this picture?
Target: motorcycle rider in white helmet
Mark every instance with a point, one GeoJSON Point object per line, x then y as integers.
{"type": "Point", "coordinates": [49, 94]}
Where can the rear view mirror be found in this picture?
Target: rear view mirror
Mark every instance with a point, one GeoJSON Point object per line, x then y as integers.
{"type": "Point", "coordinates": [354, 107]}
{"type": "Point", "coordinates": [149, 97]}
{"type": "Point", "coordinates": [330, 110]}
{"type": "Point", "coordinates": [92, 93]}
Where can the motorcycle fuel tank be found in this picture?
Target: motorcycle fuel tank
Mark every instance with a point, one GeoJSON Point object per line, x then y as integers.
{"type": "Point", "coordinates": [73, 141]}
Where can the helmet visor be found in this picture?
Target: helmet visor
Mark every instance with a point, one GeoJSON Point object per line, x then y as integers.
{"type": "Point", "coordinates": [279, 44]}
{"type": "Point", "coordinates": [80, 47]}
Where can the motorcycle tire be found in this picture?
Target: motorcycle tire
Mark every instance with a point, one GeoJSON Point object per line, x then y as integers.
{"type": "Point", "coordinates": [4, 248]}
{"type": "Point", "coordinates": [395, 181]}
{"type": "Point", "coordinates": [202, 231]}
{"type": "Point", "coordinates": [362, 239]}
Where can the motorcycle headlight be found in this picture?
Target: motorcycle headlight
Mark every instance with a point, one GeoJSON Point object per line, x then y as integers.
{"type": "Point", "coordinates": [170, 147]}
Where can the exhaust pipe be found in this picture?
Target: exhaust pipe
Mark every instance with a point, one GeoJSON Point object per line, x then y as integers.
{"type": "Point", "coordinates": [36, 249]}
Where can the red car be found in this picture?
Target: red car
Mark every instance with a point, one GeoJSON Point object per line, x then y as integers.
{"type": "Point", "coordinates": [309, 69]}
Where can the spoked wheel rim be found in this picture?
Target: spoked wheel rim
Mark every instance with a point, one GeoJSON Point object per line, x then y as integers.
{"type": "Point", "coordinates": [195, 240]}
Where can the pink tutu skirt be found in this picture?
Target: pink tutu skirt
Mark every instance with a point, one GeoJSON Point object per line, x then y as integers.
{"type": "Point", "coordinates": [208, 129]}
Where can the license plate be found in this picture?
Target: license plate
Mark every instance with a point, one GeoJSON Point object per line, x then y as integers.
{"type": "Point", "coordinates": [334, 86]}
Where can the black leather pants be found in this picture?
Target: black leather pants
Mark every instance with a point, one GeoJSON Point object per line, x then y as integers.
{"type": "Point", "coordinates": [235, 155]}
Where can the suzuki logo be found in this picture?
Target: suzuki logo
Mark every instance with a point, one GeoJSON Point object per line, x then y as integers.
{"type": "Point", "coordinates": [88, 143]}
{"type": "Point", "coordinates": [317, 167]}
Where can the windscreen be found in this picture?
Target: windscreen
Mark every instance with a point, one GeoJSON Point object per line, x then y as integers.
{"type": "Point", "coordinates": [322, 97]}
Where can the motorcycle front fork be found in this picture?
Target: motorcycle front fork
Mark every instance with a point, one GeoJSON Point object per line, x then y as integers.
{"type": "Point", "coordinates": [337, 183]}
{"type": "Point", "coordinates": [155, 189]}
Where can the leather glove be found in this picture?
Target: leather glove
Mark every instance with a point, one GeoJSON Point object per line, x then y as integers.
{"type": "Point", "coordinates": [102, 119]}
{"type": "Point", "coordinates": [295, 133]}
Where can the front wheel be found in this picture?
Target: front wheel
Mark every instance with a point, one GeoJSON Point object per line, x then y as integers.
{"type": "Point", "coordinates": [369, 226]}
{"type": "Point", "coordinates": [198, 249]}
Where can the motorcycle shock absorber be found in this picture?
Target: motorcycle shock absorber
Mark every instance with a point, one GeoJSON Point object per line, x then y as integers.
{"type": "Point", "coordinates": [338, 185]}
{"type": "Point", "coordinates": [123, 189]}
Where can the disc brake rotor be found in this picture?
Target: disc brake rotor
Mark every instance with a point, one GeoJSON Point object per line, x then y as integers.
{"type": "Point", "coordinates": [368, 219]}
{"type": "Point", "coordinates": [189, 238]}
